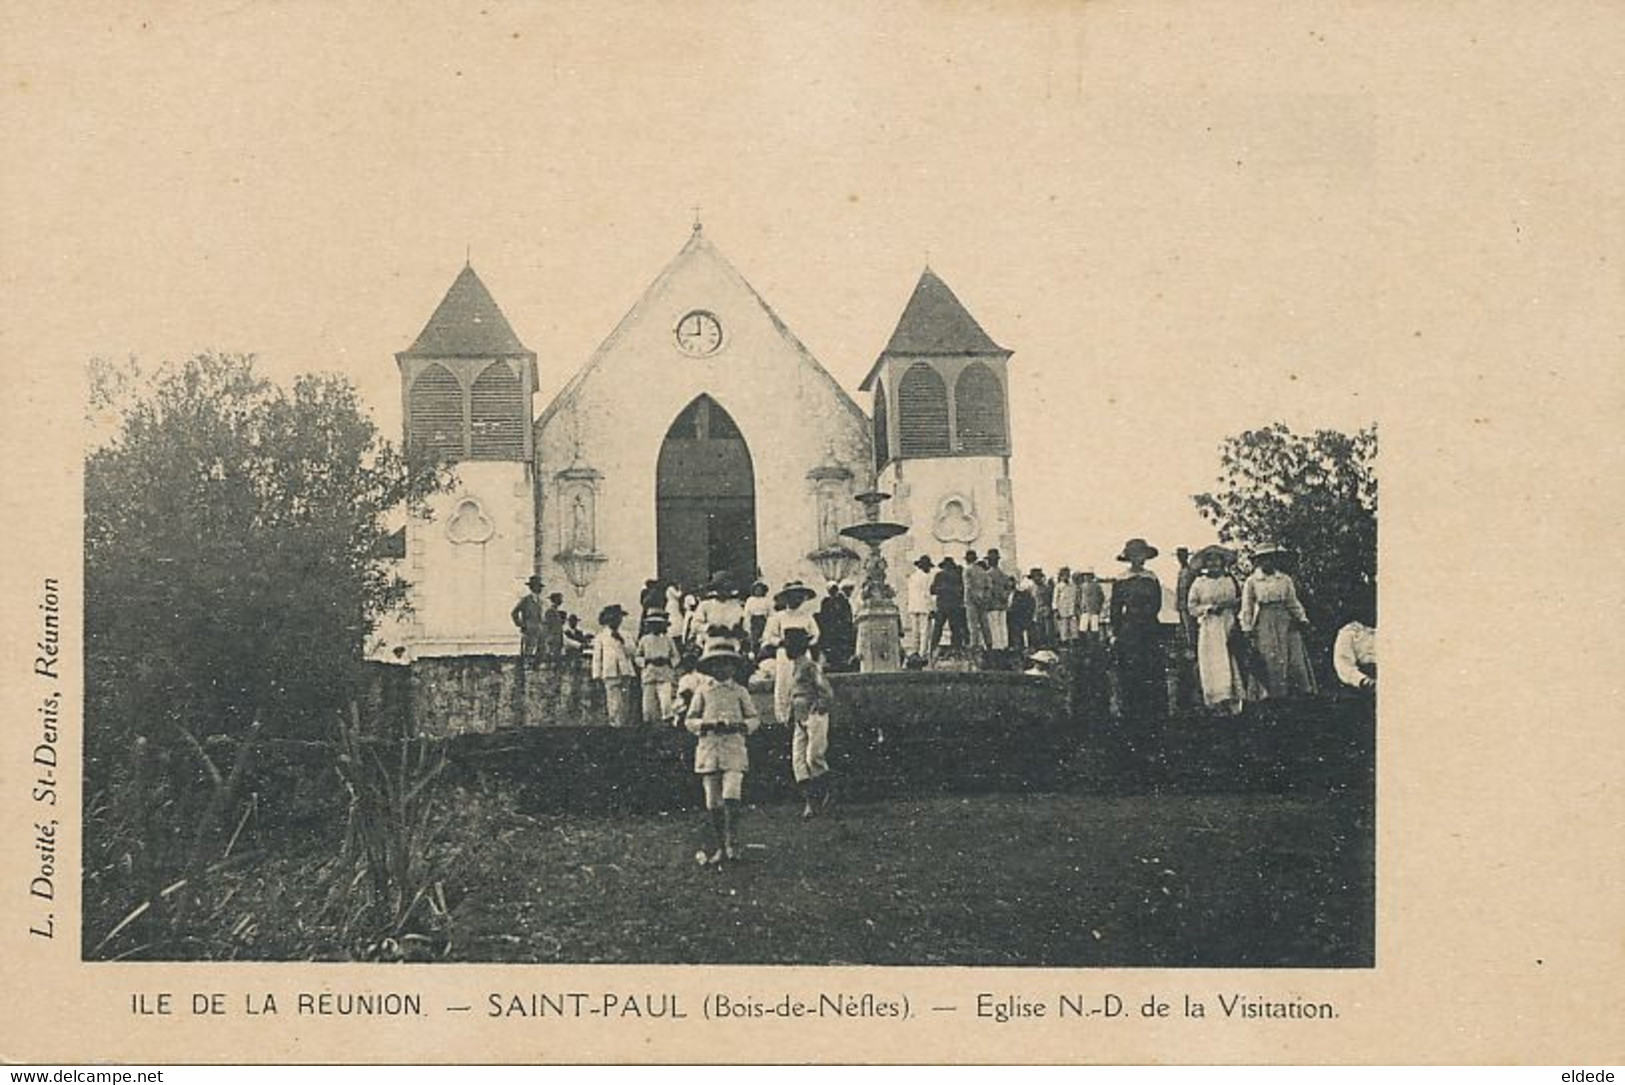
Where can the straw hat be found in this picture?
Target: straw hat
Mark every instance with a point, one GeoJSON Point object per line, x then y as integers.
{"type": "Point", "coordinates": [1137, 550]}
{"type": "Point", "coordinates": [1209, 556]}
{"type": "Point", "coordinates": [1269, 549]}
{"type": "Point", "coordinates": [794, 594]}
{"type": "Point", "coordinates": [720, 655]}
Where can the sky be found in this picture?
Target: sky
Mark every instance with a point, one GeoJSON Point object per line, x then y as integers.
{"type": "Point", "coordinates": [1176, 223]}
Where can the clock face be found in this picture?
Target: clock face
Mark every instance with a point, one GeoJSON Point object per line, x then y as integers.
{"type": "Point", "coordinates": [699, 334]}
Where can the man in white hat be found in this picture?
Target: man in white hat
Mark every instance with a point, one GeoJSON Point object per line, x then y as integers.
{"type": "Point", "coordinates": [612, 665]}
{"type": "Point", "coordinates": [919, 605]}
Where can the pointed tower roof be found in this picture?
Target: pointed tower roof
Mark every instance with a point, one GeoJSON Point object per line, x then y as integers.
{"type": "Point", "coordinates": [935, 322]}
{"type": "Point", "coordinates": [467, 323]}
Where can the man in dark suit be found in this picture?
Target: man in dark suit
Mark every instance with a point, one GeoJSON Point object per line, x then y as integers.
{"type": "Point", "coordinates": [530, 614]}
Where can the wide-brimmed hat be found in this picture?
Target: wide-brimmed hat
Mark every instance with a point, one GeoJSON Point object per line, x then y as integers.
{"type": "Point", "coordinates": [1209, 556]}
{"type": "Point", "coordinates": [614, 610]}
{"type": "Point", "coordinates": [535, 583]}
{"type": "Point", "coordinates": [1267, 549]}
{"type": "Point", "coordinates": [794, 594]}
{"type": "Point", "coordinates": [1137, 550]}
{"type": "Point", "coordinates": [656, 617]}
{"type": "Point", "coordinates": [1045, 656]}
{"type": "Point", "coordinates": [720, 655]}
{"type": "Point", "coordinates": [924, 562]}
{"type": "Point", "coordinates": [722, 582]}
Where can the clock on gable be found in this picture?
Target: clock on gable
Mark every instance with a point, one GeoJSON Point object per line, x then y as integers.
{"type": "Point", "coordinates": [699, 334]}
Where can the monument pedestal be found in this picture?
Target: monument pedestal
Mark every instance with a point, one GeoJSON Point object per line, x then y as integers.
{"type": "Point", "coordinates": [880, 638]}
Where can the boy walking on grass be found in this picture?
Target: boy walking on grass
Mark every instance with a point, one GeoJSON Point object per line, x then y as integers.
{"type": "Point", "coordinates": [721, 712]}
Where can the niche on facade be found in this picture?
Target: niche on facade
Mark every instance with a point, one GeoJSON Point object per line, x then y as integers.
{"type": "Point", "coordinates": [578, 491]}
{"type": "Point", "coordinates": [469, 523]}
{"type": "Point", "coordinates": [832, 504]}
{"type": "Point", "coordinates": [956, 520]}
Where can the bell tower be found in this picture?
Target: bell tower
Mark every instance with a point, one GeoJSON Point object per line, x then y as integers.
{"type": "Point", "coordinates": [466, 388]}
{"type": "Point", "coordinates": [942, 431]}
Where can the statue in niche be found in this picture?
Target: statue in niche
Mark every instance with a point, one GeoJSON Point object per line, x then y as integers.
{"type": "Point", "coordinates": [581, 532]}
{"type": "Point", "coordinates": [829, 516]}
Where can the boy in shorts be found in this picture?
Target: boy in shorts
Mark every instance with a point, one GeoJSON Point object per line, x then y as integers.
{"type": "Point", "coordinates": [721, 712]}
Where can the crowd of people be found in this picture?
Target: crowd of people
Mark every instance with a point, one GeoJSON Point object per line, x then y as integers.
{"type": "Point", "coordinates": [1241, 632]}
{"type": "Point", "coordinates": [692, 664]}
{"type": "Point", "coordinates": [696, 656]}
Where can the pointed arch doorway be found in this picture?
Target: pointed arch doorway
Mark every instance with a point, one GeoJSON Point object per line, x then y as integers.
{"type": "Point", "coordinates": [705, 499]}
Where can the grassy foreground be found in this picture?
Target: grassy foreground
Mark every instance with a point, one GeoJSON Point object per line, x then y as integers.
{"type": "Point", "coordinates": [1212, 880]}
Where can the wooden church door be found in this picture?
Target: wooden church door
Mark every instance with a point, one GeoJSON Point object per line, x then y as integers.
{"type": "Point", "coordinates": [705, 499]}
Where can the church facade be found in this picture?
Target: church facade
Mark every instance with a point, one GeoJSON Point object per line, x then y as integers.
{"type": "Point", "coordinates": [700, 438]}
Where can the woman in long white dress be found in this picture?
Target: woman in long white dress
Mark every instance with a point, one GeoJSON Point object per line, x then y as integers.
{"type": "Point", "coordinates": [1215, 601]}
{"type": "Point", "coordinates": [1273, 616]}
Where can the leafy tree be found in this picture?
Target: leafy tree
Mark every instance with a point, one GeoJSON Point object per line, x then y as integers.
{"type": "Point", "coordinates": [1314, 493]}
{"type": "Point", "coordinates": [232, 534]}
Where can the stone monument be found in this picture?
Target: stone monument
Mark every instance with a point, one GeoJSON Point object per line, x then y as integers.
{"type": "Point", "coordinates": [879, 621]}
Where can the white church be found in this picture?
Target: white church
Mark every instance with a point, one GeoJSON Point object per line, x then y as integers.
{"type": "Point", "coordinates": [700, 437]}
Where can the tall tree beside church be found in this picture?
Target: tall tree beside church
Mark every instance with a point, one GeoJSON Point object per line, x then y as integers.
{"type": "Point", "coordinates": [1317, 494]}
{"type": "Point", "coordinates": [232, 538]}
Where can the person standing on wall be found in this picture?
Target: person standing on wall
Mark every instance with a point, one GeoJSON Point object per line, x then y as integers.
{"type": "Point", "coordinates": [948, 607]}
{"type": "Point", "coordinates": [528, 615]}
{"type": "Point", "coordinates": [657, 662]}
{"type": "Point", "coordinates": [612, 665]}
{"type": "Point", "coordinates": [1000, 586]}
{"type": "Point", "coordinates": [1137, 633]}
{"type": "Point", "coordinates": [978, 601]}
{"type": "Point", "coordinates": [553, 628]}
{"type": "Point", "coordinates": [920, 606]}
{"type": "Point", "coordinates": [1022, 606]}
